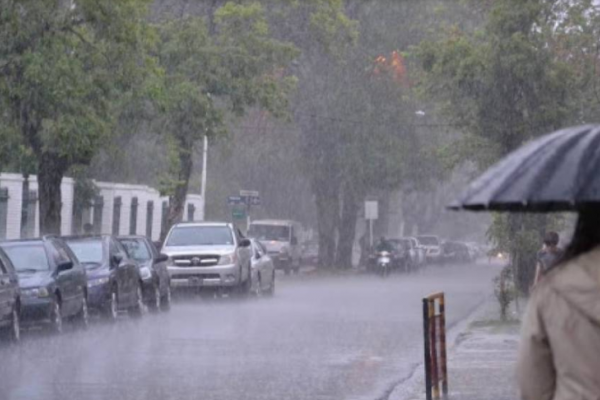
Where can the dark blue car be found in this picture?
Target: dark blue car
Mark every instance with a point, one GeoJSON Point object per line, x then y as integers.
{"type": "Point", "coordinates": [156, 284]}
{"type": "Point", "coordinates": [52, 282]}
{"type": "Point", "coordinates": [10, 300]}
{"type": "Point", "coordinates": [113, 277]}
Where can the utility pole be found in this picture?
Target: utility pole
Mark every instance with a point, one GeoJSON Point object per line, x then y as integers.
{"type": "Point", "coordinates": [204, 177]}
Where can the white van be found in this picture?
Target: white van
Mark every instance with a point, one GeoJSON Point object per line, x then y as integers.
{"type": "Point", "coordinates": [281, 239]}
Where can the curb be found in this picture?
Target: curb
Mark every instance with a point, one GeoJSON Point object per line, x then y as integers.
{"type": "Point", "coordinates": [455, 335]}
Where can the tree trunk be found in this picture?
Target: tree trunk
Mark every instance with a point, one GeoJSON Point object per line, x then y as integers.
{"type": "Point", "coordinates": [327, 214]}
{"type": "Point", "coordinates": [50, 174]}
{"type": "Point", "coordinates": [178, 198]}
{"type": "Point", "coordinates": [347, 229]}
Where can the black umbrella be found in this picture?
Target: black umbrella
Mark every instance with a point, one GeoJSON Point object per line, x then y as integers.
{"type": "Point", "coordinates": [557, 172]}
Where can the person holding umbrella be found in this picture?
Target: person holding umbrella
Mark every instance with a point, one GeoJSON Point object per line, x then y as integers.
{"type": "Point", "coordinates": [560, 340]}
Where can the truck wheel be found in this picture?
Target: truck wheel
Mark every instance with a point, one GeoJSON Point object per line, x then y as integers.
{"type": "Point", "coordinates": [245, 287]}
{"type": "Point", "coordinates": [165, 302]}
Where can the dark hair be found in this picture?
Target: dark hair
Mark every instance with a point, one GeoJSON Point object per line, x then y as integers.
{"type": "Point", "coordinates": [587, 233]}
{"type": "Point", "coordinates": [551, 239]}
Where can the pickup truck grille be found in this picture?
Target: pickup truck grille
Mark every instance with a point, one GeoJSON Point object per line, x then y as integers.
{"type": "Point", "coordinates": [196, 260]}
{"type": "Point", "coordinates": [198, 276]}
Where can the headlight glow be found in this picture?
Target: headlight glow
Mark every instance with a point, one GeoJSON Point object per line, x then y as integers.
{"type": "Point", "coordinates": [145, 273]}
{"type": "Point", "coordinates": [36, 292]}
{"type": "Point", "coordinates": [98, 281]}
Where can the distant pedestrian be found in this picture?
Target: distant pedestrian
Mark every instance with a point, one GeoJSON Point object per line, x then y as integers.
{"type": "Point", "coordinates": [560, 343]}
{"type": "Point", "coordinates": [548, 256]}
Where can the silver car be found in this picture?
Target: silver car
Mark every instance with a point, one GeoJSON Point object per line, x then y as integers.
{"type": "Point", "coordinates": [263, 270]}
{"type": "Point", "coordinates": [208, 255]}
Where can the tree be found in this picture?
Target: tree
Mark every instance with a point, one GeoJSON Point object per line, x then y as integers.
{"type": "Point", "coordinates": [212, 77]}
{"type": "Point", "coordinates": [504, 85]}
{"type": "Point", "coordinates": [65, 68]}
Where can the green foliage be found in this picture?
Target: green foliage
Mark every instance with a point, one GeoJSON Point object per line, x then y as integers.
{"type": "Point", "coordinates": [64, 69]}
{"type": "Point", "coordinates": [210, 78]}
{"type": "Point", "coordinates": [503, 83]}
{"type": "Point", "coordinates": [504, 290]}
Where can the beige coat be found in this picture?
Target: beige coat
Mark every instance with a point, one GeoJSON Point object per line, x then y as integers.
{"type": "Point", "coordinates": [560, 344]}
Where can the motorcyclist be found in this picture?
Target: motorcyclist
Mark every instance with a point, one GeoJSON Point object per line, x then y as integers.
{"type": "Point", "coordinates": [384, 245]}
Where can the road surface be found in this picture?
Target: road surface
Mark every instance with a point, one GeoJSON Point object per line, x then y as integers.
{"type": "Point", "coordinates": [317, 339]}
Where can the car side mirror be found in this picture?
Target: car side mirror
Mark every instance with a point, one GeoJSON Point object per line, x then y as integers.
{"type": "Point", "coordinates": [64, 266]}
{"type": "Point", "coordinates": [245, 243]}
{"type": "Point", "coordinates": [162, 258]}
{"type": "Point", "coordinates": [116, 260]}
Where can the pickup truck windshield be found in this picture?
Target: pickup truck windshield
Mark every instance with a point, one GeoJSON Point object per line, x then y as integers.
{"type": "Point", "coordinates": [200, 236]}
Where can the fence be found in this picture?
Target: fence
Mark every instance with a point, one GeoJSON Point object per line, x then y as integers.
{"type": "Point", "coordinates": [434, 333]}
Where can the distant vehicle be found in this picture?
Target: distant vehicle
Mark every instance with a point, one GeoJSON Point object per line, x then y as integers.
{"type": "Point", "coordinates": [418, 251]}
{"type": "Point", "coordinates": [456, 252]}
{"type": "Point", "coordinates": [433, 247]}
{"type": "Point", "coordinates": [310, 253]}
{"type": "Point", "coordinates": [401, 256]}
{"type": "Point", "coordinates": [209, 255]}
{"type": "Point", "coordinates": [263, 270]}
{"type": "Point", "coordinates": [113, 277]}
{"type": "Point", "coordinates": [52, 282]}
{"type": "Point", "coordinates": [156, 285]}
{"type": "Point", "coordinates": [280, 237]}
{"type": "Point", "coordinates": [383, 263]}
{"type": "Point", "coordinates": [10, 300]}
{"type": "Point", "coordinates": [474, 250]}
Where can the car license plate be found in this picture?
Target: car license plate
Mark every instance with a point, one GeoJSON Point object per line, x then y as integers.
{"type": "Point", "coordinates": [195, 281]}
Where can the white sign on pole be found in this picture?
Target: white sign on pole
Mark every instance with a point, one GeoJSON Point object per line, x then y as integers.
{"type": "Point", "coordinates": [371, 209]}
{"type": "Point", "coordinates": [249, 193]}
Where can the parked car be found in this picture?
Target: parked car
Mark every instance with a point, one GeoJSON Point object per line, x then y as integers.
{"type": "Point", "coordinates": [263, 270]}
{"type": "Point", "coordinates": [156, 285]}
{"type": "Point", "coordinates": [52, 282]}
{"type": "Point", "coordinates": [456, 252]}
{"type": "Point", "coordinates": [208, 255]}
{"type": "Point", "coordinates": [418, 251]}
{"type": "Point", "coordinates": [415, 256]}
{"type": "Point", "coordinates": [433, 247]}
{"type": "Point", "coordinates": [113, 277]}
{"type": "Point", "coordinates": [280, 238]}
{"type": "Point", "coordinates": [10, 300]}
{"type": "Point", "coordinates": [401, 259]}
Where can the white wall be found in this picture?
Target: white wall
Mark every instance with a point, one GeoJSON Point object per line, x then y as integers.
{"type": "Point", "coordinates": [14, 184]}
{"type": "Point", "coordinates": [109, 191]}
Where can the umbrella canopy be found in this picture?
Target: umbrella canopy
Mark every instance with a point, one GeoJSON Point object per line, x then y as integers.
{"type": "Point", "coordinates": [557, 172]}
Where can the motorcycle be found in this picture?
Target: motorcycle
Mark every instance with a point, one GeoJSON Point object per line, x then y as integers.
{"type": "Point", "coordinates": [383, 263]}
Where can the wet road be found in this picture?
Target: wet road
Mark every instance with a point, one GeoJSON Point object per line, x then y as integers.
{"type": "Point", "coordinates": [342, 338]}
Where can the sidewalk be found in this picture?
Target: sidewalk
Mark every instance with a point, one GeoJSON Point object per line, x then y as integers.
{"type": "Point", "coordinates": [481, 362]}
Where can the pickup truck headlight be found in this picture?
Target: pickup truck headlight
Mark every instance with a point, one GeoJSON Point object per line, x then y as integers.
{"type": "Point", "coordinates": [228, 259]}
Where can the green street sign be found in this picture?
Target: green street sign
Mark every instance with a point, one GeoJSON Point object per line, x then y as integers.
{"type": "Point", "coordinates": [238, 213]}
